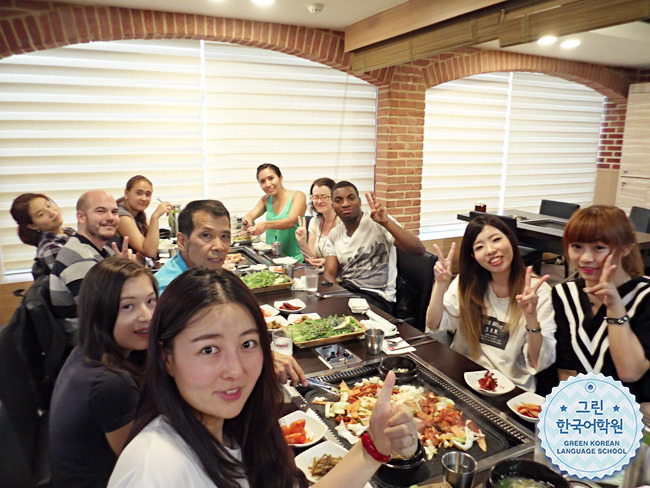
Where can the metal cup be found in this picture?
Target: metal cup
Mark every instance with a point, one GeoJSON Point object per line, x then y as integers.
{"type": "Point", "coordinates": [374, 340]}
{"type": "Point", "coordinates": [288, 270]}
{"type": "Point", "coordinates": [276, 248]}
{"type": "Point", "coordinates": [458, 469]}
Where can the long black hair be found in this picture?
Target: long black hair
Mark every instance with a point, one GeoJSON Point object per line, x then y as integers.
{"type": "Point", "coordinates": [20, 213]}
{"type": "Point", "coordinates": [140, 217]}
{"type": "Point", "coordinates": [474, 280]}
{"type": "Point", "coordinates": [266, 458]}
{"type": "Point", "coordinates": [99, 302]}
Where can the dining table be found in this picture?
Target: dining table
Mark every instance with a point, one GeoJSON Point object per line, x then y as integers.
{"type": "Point", "coordinates": [544, 232]}
{"type": "Point", "coordinates": [430, 352]}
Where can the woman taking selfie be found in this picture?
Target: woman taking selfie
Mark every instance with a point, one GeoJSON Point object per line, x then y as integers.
{"type": "Point", "coordinates": [603, 316]}
{"type": "Point", "coordinates": [502, 315]}
{"type": "Point", "coordinates": [209, 377]}
{"type": "Point", "coordinates": [143, 239]}
{"type": "Point", "coordinates": [312, 241]}
{"type": "Point", "coordinates": [282, 208]}
{"type": "Point", "coordinates": [40, 224]}
{"type": "Point", "coordinates": [96, 393]}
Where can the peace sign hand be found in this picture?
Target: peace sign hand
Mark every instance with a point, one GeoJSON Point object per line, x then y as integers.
{"type": "Point", "coordinates": [125, 252]}
{"type": "Point", "coordinates": [378, 212]}
{"type": "Point", "coordinates": [442, 268]}
{"type": "Point", "coordinates": [301, 231]}
{"type": "Point", "coordinates": [528, 299]}
{"type": "Point", "coordinates": [606, 290]}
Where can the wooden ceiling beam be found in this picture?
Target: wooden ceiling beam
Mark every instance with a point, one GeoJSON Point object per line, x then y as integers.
{"type": "Point", "coordinates": [518, 26]}
{"type": "Point", "coordinates": [407, 17]}
{"type": "Point", "coordinates": [580, 16]}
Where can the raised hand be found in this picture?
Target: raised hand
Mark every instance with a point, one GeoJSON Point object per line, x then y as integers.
{"type": "Point", "coordinates": [528, 299]}
{"type": "Point", "coordinates": [606, 290]}
{"type": "Point", "coordinates": [125, 252]}
{"type": "Point", "coordinates": [301, 231]}
{"type": "Point", "coordinates": [163, 208]}
{"type": "Point", "coordinates": [442, 268]}
{"type": "Point", "coordinates": [392, 427]}
{"type": "Point", "coordinates": [378, 212]}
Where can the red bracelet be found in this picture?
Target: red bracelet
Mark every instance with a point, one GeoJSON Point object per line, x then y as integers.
{"type": "Point", "coordinates": [372, 450]}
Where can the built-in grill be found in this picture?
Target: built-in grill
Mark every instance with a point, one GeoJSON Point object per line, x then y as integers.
{"type": "Point", "coordinates": [504, 438]}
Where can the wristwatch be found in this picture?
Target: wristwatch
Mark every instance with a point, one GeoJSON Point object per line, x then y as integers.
{"type": "Point", "coordinates": [620, 321]}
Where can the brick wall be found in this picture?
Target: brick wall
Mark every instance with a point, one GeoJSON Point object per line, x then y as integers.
{"type": "Point", "coordinates": [611, 135]}
{"type": "Point", "coordinates": [31, 25]}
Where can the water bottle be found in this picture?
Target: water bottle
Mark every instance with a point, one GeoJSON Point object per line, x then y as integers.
{"type": "Point", "coordinates": [637, 472]}
{"type": "Point", "coordinates": [173, 221]}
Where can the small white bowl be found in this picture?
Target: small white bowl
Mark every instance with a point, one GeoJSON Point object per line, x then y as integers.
{"type": "Point", "coordinates": [504, 385]}
{"type": "Point", "coordinates": [526, 397]}
{"type": "Point", "coordinates": [278, 319]}
{"type": "Point", "coordinates": [269, 311]}
{"type": "Point", "coordinates": [296, 302]}
{"type": "Point", "coordinates": [313, 426]}
{"type": "Point", "coordinates": [305, 459]}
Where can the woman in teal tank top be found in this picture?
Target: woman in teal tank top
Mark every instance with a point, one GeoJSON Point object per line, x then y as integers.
{"type": "Point", "coordinates": [282, 208]}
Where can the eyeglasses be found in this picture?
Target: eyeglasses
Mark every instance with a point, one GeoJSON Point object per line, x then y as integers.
{"type": "Point", "coordinates": [324, 198]}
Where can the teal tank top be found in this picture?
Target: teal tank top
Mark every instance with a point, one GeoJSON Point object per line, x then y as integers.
{"type": "Point", "coordinates": [287, 237]}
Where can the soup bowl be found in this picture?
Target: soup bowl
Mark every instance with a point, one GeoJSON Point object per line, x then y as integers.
{"type": "Point", "coordinates": [406, 370]}
{"type": "Point", "coordinates": [523, 473]}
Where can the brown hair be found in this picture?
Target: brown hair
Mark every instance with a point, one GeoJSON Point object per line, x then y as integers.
{"type": "Point", "coordinates": [20, 213]}
{"type": "Point", "coordinates": [474, 280]}
{"type": "Point", "coordinates": [609, 225]}
{"type": "Point", "coordinates": [141, 217]}
{"type": "Point", "coordinates": [328, 182]}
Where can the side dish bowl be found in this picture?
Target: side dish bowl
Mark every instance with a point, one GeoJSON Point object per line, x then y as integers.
{"type": "Point", "coordinates": [525, 469]}
{"type": "Point", "coordinates": [406, 370]}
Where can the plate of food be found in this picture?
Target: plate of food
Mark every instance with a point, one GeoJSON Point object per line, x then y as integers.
{"type": "Point", "coordinates": [276, 322]}
{"type": "Point", "coordinates": [315, 331]}
{"type": "Point", "coordinates": [268, 310]}
{"type": "Point", "coordinates": [489, 382]}
{"type": "Point", "coordinates": [317, 461]}
{"type": "Point", "coordinates": [243, 238]}
{"type": "Point", "coordinates": [266, 280]}
{"type": "Point", "coordinates": [301, 429]}
{"type": "Point", "coordinates": [290, 306]}
{"type": "Point", "coordinates": [528, 405]}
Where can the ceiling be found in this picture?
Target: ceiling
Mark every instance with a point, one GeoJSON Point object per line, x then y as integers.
{"type": "Point", "coordinates": [626, 45]}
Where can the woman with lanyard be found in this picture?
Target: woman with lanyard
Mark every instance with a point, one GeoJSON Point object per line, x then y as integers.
{"type": "Point", "coordinates": [313, 247]}
{"type": "Point", "coordinates": [282, 208]}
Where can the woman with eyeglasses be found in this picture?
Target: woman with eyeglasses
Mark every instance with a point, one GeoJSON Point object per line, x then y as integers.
{"type": "Point", "coordinates": [282, 207]}
{"type": "Point", "coordinates": [312, 241]}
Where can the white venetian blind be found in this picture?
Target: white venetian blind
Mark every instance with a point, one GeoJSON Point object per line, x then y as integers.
{"type": "Point", "coordinates": [509, 139]}
{"type": "Point", "coordinates": [310, 120]}
{"type": "Point", "coordinates": [195, 118]}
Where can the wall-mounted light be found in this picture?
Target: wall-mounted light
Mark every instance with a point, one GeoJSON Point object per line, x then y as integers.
{"type": "Point", "coordinates": [263, 3]}
{"type": "Point", "coordinates": [546, 40]}
{"type": "Point", "coordinates": [570, 43]}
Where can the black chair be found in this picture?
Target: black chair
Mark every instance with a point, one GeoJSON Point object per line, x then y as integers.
{"type": "Point", "coordinates": [640, 218]}
{"type": "Point", "coordinates": [39, 268]}
{"type": "Point", "coordinates": [531, 256]}
{"type": "Point", "coordinates": [564, 210]}
{"type": "Point", "coordinates": [24, 451]}
{"type": "Point", "coordinates": [415, 282]}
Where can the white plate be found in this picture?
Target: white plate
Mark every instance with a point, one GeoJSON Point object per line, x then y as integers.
{"type": "Point", "coordinates": [296, 302]}
{"type": "Point", "coordinates": [261, 246]}
{"type": "Point", "coordinates": [293, 318]}
{"type": "Point", "coordinates": [269, 311]}
{"type": "Point", "coordinates": [526, 397]}
{"type": "Point", "coordinates": [304, 459]}
{"type": "Point", "coordinates": [258, 267]}
{"type": "Point", "coordinates": [504, 385]}
{"type": "Point", "coordinates": [278, 319]}
{"type": "Point", "coordinates": [285, 260]}
{"type": "Point", "coordinates": [313, 426]}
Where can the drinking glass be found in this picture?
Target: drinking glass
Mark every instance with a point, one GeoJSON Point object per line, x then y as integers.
{"type": "Point", "coordinates": [458, 469]}
{"type": "Point", "coordinates": [282, 341]}
{"type": "Point", "coordinates": [311, 278]}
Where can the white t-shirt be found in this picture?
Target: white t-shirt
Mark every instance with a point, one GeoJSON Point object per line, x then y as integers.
{"type": "Point", "coordinates": [504, 351]}
{"type": "Point", "coordinates": [367, 258]}
{"type": "Point", "coordinates": [158, 457]}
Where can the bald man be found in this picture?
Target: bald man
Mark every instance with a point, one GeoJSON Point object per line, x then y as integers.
{"type": "Point", "coordinates": [97, 221]}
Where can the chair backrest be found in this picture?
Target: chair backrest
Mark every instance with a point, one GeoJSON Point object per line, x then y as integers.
{"type": "Point", "coordinates": [417, 273]}
{"type": "Point", "coordinates": [564, 210]}
{"type": "Point", "coordinates": [51, 350]}
{"type": "Point", "coordinates": [14, 466]}
{"type": "Point", "coordinates": [640, 218]}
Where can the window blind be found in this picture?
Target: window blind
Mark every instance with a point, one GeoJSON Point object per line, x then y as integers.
{"type": "Point", "coordinates": [196, 118]}
{"type": "Point", "coordinates": [508, 139]}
